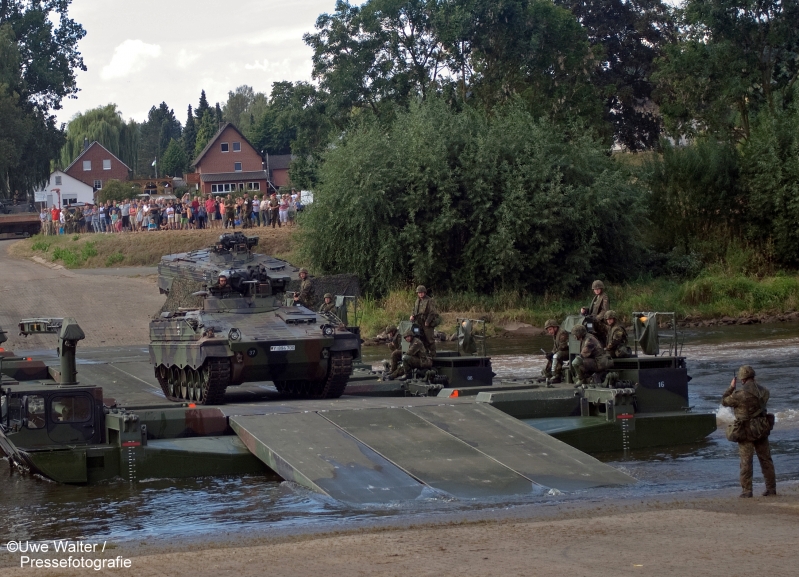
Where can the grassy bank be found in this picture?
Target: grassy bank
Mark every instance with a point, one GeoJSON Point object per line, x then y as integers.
{"type": "Point", "coordinates": [135, 249]}
{"type": "Point", "coordinates": [707, 297]}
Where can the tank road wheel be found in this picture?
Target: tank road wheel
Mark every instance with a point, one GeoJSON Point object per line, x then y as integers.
{"type": "Point", "coordinates": [214, 379]}
{"type": "Point", "coordinates": [204, 386]}
{"type": "Point", "coordinates": [332, 387]}
{"type": "Point", "coordinates": [162, 374]}
{"type": "Point", "coordinates": [182, 384]}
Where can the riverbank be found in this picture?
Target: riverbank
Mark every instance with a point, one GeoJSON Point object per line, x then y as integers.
{"type": "Point", "coordinates": [687, 534]}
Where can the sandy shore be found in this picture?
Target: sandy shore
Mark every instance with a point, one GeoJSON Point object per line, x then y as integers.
{"type": "Point", "coordinates": [681, 535]}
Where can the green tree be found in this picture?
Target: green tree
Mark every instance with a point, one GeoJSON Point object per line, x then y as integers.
{"type": "Point", "coordinates": [174, 160]}
{"type": "Point", "coordinates": [155, 134]}
{"type": "Point", "coordinates": [206, 129]}
{"type": "Point", "coordinates": [105, 125]}
{"type": "Point", "coordinates": [118, 190]}
{"type": "Point", "coordinates": [190, 135]}
{"type": "Point", "coordinates": [473, 201]}
{"type": "Point", "coordinates": [202, 107]}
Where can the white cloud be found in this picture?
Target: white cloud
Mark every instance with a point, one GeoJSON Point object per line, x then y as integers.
{"type": "Point", "coordinates": [186, 58]}
{"type": "Point", "coordinates": [129, 57]}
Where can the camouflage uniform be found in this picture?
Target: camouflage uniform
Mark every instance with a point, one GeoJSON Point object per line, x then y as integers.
{"type": "Point", "coordinates": [593, 358]}
{"type": "Point", "coordinates": [560, 353]}
{"type": "Point", "coordinates": [415, 358]}
{"type": "Point", "coordinates": [395, 346]}
{"type": "Point", "coordinates": [305, 294]}
{"type": "Point", "coordinates": [230, 213]}
{"type": "Point", "coordinates": [617, 346]}
{"type": "Point", "coordinates": [749, 405]}
{"type": "Point", "coordinates": [328, 308]}
{"type": "Point", "coordinates": [425, 314]}
{"type": "Point", "coordinates": [597, 310]}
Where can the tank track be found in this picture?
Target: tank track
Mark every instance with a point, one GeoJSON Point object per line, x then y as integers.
{"type": "Point", "coordinates": [332, 387]}
{"type": "Point", "coordinates": [197, 390]}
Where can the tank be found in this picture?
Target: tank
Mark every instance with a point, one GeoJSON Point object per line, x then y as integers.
{"type": "Point", "coordinates": [210, 339]}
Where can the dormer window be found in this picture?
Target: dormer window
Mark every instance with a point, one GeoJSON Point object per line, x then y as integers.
{"type": "Point", "coordinates": [224, 147]}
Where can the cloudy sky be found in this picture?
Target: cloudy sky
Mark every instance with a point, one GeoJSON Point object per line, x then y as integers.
{"type": "Point", "coordinates": [141, 53]}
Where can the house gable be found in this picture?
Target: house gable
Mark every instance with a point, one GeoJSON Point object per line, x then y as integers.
{"type": "Point", "coordinates": [97, 165]}
{"type": "Point", "coordinates": [228, 151]}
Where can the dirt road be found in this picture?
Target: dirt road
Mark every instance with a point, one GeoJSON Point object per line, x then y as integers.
{"type": "Point", "coordinates": [112, 310]}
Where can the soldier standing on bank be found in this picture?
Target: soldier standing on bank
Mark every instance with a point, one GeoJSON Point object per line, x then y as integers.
{"type": "Point", "coordinates": [304, 296]}
{"type": "Point", "coordinates": [751, 429]}
{"type": "Point", "coordinates": [560, 351]}
{"type": "Point", "coordinates": [617, 346]}
{"type": "Point", "coordinates": [592, 359]}
{"type": "Point", "coordinates": [426, 316]}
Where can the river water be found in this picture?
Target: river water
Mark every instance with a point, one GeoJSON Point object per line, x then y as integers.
{"type": "Point", "coordinates": [182, 510]}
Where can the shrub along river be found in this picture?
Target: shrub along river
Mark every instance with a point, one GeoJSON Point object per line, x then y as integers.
{"type": "Point", "coordinates": [205, 508]}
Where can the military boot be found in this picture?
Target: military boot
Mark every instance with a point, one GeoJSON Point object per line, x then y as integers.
{"type": "Point", "coordinates": [746, 495]}
{"type": "Point", "coordinates": [770, 493]}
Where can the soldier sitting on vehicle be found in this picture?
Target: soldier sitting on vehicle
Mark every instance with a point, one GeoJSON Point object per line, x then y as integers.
{"type": "Point", "coordinates": [597, 310]}
{"type": "Point", "coordinates": [560, 351]}
{"type": "Point", "coordinates": [415, 358]}
{"type": "Point", "coordinates": [395, 346]}
{"type": "Point", "coordinates": [328, 306]}
{"type": "Point", "coordinates": [593, 359]}
{"type": "Point", "coordinates": [222, 287]}
{"type": "Point", "coordinates": [617, 346]}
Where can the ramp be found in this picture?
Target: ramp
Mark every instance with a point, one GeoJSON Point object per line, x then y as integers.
{"type": "Point", "coordinates": [309, 450]}
{"type": "Point", "coordinates": [527, 451]}
{"type": "Point", "coordinates": [389, 454]}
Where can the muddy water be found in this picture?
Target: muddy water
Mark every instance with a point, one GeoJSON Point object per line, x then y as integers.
{"type": "Point", "coordinates": [185, 509]}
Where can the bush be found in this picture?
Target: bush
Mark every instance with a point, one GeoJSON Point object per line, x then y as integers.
{"type": "Point", "coordinates": [41, 245]}
{"type": "Point", "coordinates": [114, 258]}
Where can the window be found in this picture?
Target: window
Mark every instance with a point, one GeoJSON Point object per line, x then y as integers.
{"type": "Point", "coordinates": [71, 409]}
{"type": "Point", "coordinates": [213, 188]}
{"type": "Point", "coordinates": [237, 147]}
{"type": "Point", "coordinates": [34, 413]}
{"type": "Point", "coordinates": [107, 164]}
{"type": "Point", "coordinates": [87, 165]}
{"type": "Point", "coordinates": [67, 199]}
{"type": "Point", "coordinates": [241, 186]}
{"type": "Point", "coordinates": [237, 166]}
{"type": "Point", "coordinates": [98, 184]}
{"type": "Point", "coordinates": [253, 186]}
{"type": "Point", "coordinates": [58, 181]}
{"type": "Point", "coordinates": [224, 146]}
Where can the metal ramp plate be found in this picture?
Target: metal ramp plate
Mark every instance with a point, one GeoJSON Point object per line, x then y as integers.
{"type": "Point", "coordinates": [308, 449]}
{"type": "Point", "coordinates": [430, 454]}
{"type": "Point", "coordinates": [531, 453]}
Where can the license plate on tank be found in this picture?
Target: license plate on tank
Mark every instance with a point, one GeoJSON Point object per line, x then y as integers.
{"type": "Point", "coordinates": [282, 348]}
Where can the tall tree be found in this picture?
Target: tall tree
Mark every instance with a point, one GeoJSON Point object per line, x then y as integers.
{"type": "Point", "coordinates": [202, 107]}
{"type": "Point", "coordinates": [105, 125]}
{"type": "Point", "coordinates": [160, 128]}
{"type": "Point", "coordinates": [206, 129]}
{"type": "Point", "coordinates": [190, 135]}
{"type": "Point", "coordinates": [174, 159]}
{"type": "Point", "coordinates": [38, 61]}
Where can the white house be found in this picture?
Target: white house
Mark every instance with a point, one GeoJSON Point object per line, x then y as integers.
{"type": "Point", "coordinates": [62, 189]}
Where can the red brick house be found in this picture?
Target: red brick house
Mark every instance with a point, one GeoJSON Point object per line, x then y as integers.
{"type": "Point", "coordinates": [229, 163]}
{"type": "Point", "coordinates": [96, 165]}
{"type": "Point", "coordinates": [278, 167]}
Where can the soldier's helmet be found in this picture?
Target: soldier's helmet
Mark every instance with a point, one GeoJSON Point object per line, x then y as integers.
{"type": "Point", "coordinates": [328, 296]}
{"type": "Point", "coordinates": [551, 323]}
{"type": "Point", "coordinates": [610, 315]}
{"type": "Point", "coordinates": [408, 333]}
{"type": "Point", "coordinates": [746, 372]}
{"type": "Point", "coordinates": [391, 329]}
{"type": "Point", "coordinates": [303, 270]}
{"type": "Point", "coordinates": [421, 289]}
{"type": "Point", "coordinates": [598, 284]}
{"type": "Point", "coordinates": [579, 331]}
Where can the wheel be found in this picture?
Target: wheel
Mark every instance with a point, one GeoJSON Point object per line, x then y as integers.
{"type": "Point", "coordinates": [331, 387]}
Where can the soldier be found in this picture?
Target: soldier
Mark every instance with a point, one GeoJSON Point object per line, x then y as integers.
{"type": "Point", "coordinates": [328, 306]}
{"type": "Point", "coordinates": [304, 297]}
{"type": "Point", "coordinates": [415, 358]}
{"type": "Point", "coordinates": [222, 288]}
{"type": "Point", "coordinates": [617, 346]}
{"type": "Point", "coordinates": [395, 346]}
{"type": "Point", "coordinates": [592, 359]}
{"type": "Point", "coordinates": [560, 351]}
{"type": "Point", "coordinates": [274, 210]}
{"type": "Point", "coordinates": [230, 212]}
{"type": "Point", "coordinates": [597, 310]}
{"type": "Point", "coordinates": [751, 429]}
{"type": "Point", "coordinates": [426, 316]}
{"type": "Point", "coordinates": [246, 219]}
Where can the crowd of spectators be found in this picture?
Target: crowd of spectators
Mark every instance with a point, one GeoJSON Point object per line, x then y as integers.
{"type": "Point", "coordinates": [164, 213]}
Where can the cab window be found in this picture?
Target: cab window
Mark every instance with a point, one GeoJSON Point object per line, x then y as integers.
{"type": "Point", "coordinates": [34, 412]}
{"type": "Point", "coordinates": [71, 409]}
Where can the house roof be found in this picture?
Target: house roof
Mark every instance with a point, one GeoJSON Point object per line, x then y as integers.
{"type": "Point", "coordinates": [234, 176]}
{"type": "Point", "coordinates": [280, 161]}
{"type": "Point", "coordinates": [216, 137]}
{"type": "Point", "coordinates": [88, 148]}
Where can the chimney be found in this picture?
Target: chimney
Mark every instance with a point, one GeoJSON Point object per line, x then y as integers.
{"type": "Point", "coordinates": [85, 144]}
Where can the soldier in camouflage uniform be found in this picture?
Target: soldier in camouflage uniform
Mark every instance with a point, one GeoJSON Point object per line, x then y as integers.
{"type": "Point", "coordinates": [304, 296]}
{"type": "Point", "coordinates": [415, 358]}
{"type": "Point", "coordinates": [753, 427]}
{"type": "Point", "coordinates": [560, 351]}
{"type": "Point", "coordinates": [425, 314]}
{"type": "Point", "coordinates": [617, 346]}
{"type": "Point", "coordinates": [222, 287]}
{"type": "Point", "coordinates": [395, 346]}
{"type": "Point", "coordinates": [593, 358]}
{"type": "Point", "coordinates": [597, 310]}
{"type": "Point", "coordinates": [328, 307]}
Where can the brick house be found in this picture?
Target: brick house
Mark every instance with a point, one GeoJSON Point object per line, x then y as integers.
{"type": "Point", "coordinates": [229, 163]}
{"type": "Point", "coordinates": [278, 166]}
{"type": "Point", "coordinates": [96, 165]}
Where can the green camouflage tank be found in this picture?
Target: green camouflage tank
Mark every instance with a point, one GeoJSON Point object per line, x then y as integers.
{"type": "Point", "coordinates": [245, 333]}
